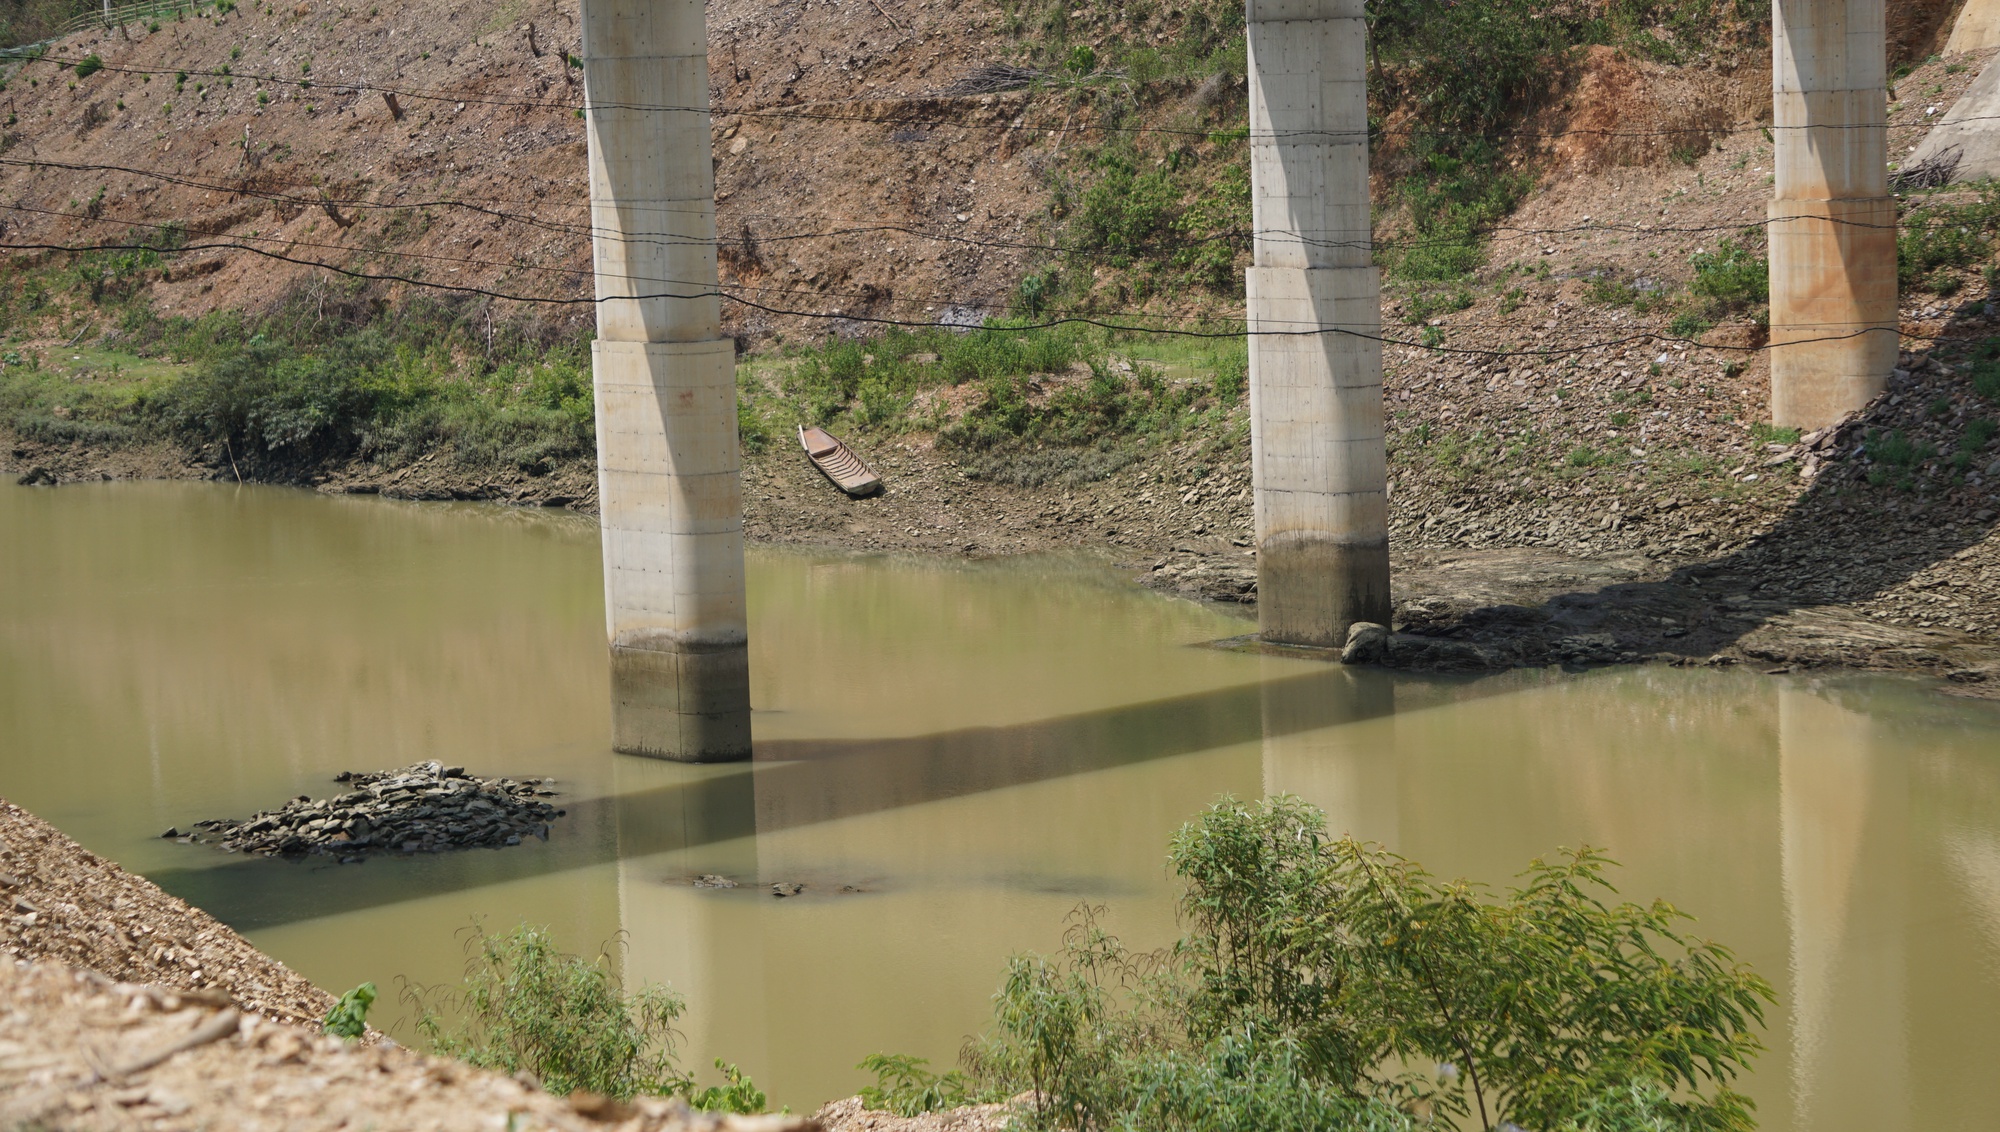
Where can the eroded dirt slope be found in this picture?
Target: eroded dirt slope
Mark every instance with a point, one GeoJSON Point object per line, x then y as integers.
{"type": "Point", "coordinates": [65, 903]}
{"type": "Point", "coordinates": [828, 127]}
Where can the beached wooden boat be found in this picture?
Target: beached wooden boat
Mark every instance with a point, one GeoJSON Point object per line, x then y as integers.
{"type": "Point", "coordinates": [838, 462]}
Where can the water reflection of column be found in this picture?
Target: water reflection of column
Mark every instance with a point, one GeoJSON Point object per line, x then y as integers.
{"type": "Point", "coordinates": [1332, 743]}
{"type": "Point", "coordinates": [672, 827]}
{"type": "Point", "coordinates": [1843, 813]}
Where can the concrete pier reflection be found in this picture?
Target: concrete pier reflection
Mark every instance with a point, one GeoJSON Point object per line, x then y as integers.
{"type": "Point", "coordinates": [1844, 803]}
{"type": "Point", "coordinates": [1347, 771]}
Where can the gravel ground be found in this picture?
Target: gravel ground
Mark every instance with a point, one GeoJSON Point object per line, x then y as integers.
{"type": "Point", "coordinates": [68, 904]}
{"type": "Point", "coordinates": [84, 1053]}
{"type": "Point", "coordinates": [851, 1116]}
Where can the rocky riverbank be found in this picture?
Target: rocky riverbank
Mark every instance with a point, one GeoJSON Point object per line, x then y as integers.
{"type": "Point", "coordinates": [1810, 565]}
{"type": "Point", "coordinates": [124, 1009]}
{"type": "Point", "coordinates": [64, 903]}
{"type": "Point", "coordinates": [426, 808]}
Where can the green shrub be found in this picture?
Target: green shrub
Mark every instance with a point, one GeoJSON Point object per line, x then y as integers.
{"type": "Point", "coordinates": [1978, 432]}
{"type": "Point", "coordinates": [1112, 403]}
{"type": "Point", "coordinates": [737, 1093]}
{"type": "Point", "coordinates": [267, 397]}
{"type": "Point", "coordinates": [1422, 305]}
{"type": "Point", "coordinates": [905, 1087]}
{"type": "Point", "coordinates": [1986, 369]}
{"type": "Point", "coordinates": [1896, 449]}
{"type": "Point", "coordinates": [1321, 980]}
{"type": "Point", "coordinates": [88, 66]}
{"type": "Point", "coordinates": [1730, 277]}
{"type": "Point", "coordinates": [1688, 325]}
{"type": "Point", "coordinates": [528, 1007]}
{"type": "Point", "coordinates": [1232, 375]}
{"type": "Point", "coordinates": [349, 1017]}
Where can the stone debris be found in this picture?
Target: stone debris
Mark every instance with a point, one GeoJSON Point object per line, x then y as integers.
{"type": "Point", "coordinates": [426, 808]}
{"type": "Point", "coordinates": [59, 901]}
{"type": "Point", "coordinates": [711, 880]}
{"type": "Point", "coordinates": [850, 1115]}
{"type": "Point", "coordinates": [84, 1053]}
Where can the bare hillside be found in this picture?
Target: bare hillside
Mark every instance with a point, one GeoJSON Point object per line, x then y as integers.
{"type": "Point", "coordinates": [828, 132]}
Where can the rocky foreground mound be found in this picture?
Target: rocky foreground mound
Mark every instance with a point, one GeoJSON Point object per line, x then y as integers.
{"type": "Point", "coordinates": [64, 902]}
{"type": "Point", "coordinates": [82, 1052]}
{"type": "Point", "coordinates": [426, 808]}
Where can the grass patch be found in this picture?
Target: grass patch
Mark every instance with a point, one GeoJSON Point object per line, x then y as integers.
{"type": "Point", "coordinates": [325, 374]}
{"type": "Point", "coordinates": [1732, 275]}
{"type": "Point", "coordinates": [1585, 456]}
{"type": "Point", "coordinates": [1978, 433]}
{"type": "Point", "coordinates": [1938, 240]}
{"type": "Point", "coordinates": [1139, 215]}
{"type": "Point", "coordinates": [1037, 405]}
{"type": "Point", "coordinates": [1896, 458]}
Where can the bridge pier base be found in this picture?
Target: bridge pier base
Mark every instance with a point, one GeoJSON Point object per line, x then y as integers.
{"type": "Point", "coordinates": [1316, 433]}
{"type": "Point", "coordinates": [1832, 230]}
{"type": "Point", "coordinates": [669, 471]}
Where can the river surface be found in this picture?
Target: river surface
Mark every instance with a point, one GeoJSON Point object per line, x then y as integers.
{"type": "Point", "coordinates": [951, 756]}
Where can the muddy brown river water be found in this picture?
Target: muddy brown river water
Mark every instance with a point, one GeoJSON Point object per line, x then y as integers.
{"type": "Point", "coordinates": [951, 756]}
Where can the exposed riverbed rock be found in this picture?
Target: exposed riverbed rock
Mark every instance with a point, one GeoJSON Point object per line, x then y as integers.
{"type": "Point", "coordinates": [427, 808]}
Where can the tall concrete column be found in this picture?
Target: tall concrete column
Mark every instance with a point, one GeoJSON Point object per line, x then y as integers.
{"type": "Point", "coordinates": [669, 473]}
{"type": "Point", "coordinates": [1833, 224]}
{"type": "Point", "coordinates": [1316, 441]}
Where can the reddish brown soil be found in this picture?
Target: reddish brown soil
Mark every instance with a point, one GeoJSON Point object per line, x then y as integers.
{"type": "Point", "coordinates": [803, 187]}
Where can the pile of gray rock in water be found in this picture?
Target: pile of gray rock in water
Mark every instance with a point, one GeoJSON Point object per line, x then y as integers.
{"type": "Point", "coordinates": [427, 808]}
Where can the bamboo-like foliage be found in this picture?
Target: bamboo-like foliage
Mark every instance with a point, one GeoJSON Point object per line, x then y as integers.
{"type": "Point", "coordinates": [527, 1006]}
{"type": "Point", "coordinates": [1327, 983]}
{"type": "Point", "coordinates": [1542, 998]}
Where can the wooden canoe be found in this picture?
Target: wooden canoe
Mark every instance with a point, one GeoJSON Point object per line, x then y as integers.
{"type": "Point", "coordinates": [838, 462]}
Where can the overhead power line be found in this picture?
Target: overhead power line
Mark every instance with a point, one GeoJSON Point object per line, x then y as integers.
{"type": "Point", "coordinates": [1100, 321]}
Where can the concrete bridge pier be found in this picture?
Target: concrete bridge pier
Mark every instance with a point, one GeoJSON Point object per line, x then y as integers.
{"type": "Point", "coordinates": [1317, 452]}
{"type": "Point", "coordinates": [1832, 222]}
{"type": "Point", "coordinates": [669, 471]}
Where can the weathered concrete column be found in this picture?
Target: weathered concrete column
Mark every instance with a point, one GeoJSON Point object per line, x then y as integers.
{"type": "Point", "coordinates": [1832, 223]}
{"type": "Point", "coordinates": [1316, 441]}
{"type": "Point", "coordinates": [669, 473]}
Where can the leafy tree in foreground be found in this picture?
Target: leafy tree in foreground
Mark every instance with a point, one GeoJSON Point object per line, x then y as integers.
{"type": "Point", "coordinates": [1327, 983]}
{"type": "Point", "coordinates": [526, 1005]}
